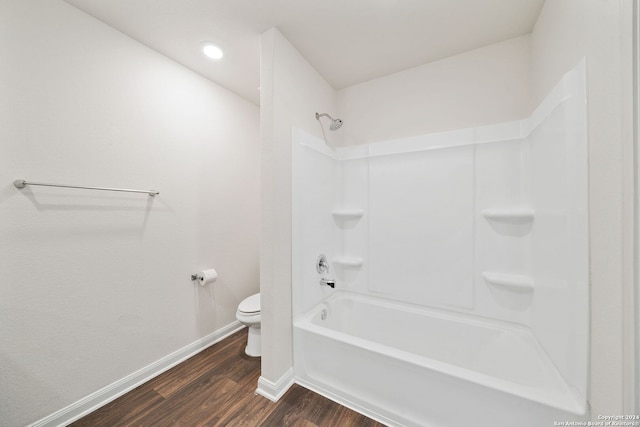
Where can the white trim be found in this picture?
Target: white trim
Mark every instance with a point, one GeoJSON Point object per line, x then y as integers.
{"type": "Point", "coordinates": [632, 297]}
{"type": "Point", "coordinates": [629, 89]}
{"type": "Point", "coordinates": [95, 400]}
{"type": "Point", "coordinates": [274, 391]}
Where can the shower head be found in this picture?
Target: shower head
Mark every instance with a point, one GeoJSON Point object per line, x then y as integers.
{"type": "Point", "coordinates": [335, 123]}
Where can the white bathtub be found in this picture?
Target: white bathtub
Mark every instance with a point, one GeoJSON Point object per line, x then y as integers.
{"type": "Point", "coordinates": [406, 365]}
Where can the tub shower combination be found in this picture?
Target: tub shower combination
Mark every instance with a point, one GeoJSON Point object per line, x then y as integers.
{"type": "Point", "coordinates": [460, 265]}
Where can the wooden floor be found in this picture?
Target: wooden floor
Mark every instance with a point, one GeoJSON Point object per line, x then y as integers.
{"type": "Point", "coordinates": [216, 388]}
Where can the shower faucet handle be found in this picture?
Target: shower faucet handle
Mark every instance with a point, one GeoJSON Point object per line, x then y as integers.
{"type": "Point", "coordinates": [322, 266]}
{"type": "Point", "coordinates": [328, 282]}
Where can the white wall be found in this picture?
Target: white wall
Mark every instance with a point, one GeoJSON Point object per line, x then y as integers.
{"type": "Point", "coordinates": [566, 31]}
{"type": "Point", "coordinates": [96, 285]}
{"type": "Point", "coordinates": [480, 87]}
{"type": "Point", "coordinates": [291, 93]}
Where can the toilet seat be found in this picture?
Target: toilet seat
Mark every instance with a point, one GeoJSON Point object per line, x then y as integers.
{"type": "Point", "coordinates": [250, 305]}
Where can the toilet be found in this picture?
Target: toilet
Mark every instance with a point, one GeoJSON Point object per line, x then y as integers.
{"type": "Point", "coordinates": [249, 314]}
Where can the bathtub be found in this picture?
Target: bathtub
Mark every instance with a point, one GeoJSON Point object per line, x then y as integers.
{"type": "Point", "coordinates": [405, 365]}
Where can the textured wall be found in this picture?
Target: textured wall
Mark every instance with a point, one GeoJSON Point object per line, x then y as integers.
{"type": "Point", "coordinates": [96, 285]}
{"type": "Point", "coordinates": [291, 93]}
{"type": "Point", "coordinates": [480, 87]}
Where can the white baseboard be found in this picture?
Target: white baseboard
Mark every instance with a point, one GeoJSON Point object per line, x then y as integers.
{"type": "Point", "coordinates": [95, 400]}
{"type": "Point", "coordinates": [274, 391]}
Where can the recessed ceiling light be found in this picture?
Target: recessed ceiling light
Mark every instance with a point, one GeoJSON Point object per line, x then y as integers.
{"type": "Point", "coordinates": [212, 51]}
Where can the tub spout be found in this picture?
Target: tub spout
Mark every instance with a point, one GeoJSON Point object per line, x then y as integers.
{"type": "Point", "coordinates": [330, 283]}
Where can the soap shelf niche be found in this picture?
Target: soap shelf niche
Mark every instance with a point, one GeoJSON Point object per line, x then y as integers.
{"type": "Point", "coordinates": [347, 218]}
{"type": "Point", "coordinates": [516, 222]}
{"type": "Point", "coordinates": [347, 214]}
{"type": "Point", "coordinates": [511, 282]}
{"type": "Point", "coordinates": [522, 216]}
{"type": "Point", "coordinates": [348, 261]}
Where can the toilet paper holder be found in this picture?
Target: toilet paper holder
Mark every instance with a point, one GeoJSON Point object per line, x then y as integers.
{"type": "Point", "coordinates": [205, 277]}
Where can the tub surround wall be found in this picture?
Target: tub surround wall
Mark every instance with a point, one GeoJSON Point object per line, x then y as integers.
{"type": "Point", "coordinates": [317, 180]}
{"type": "Point", "coordinates": [489, 221]}
{"type": "Point", "coordinates": [420, 213]}
{"type": "Point", "coordinates": [96, 286]}
{"type": "Point", "coordinates": [566, 31]}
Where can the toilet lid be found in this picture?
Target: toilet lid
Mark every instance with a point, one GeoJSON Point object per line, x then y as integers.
{"type": "Point", "coordinates": [250, 304]}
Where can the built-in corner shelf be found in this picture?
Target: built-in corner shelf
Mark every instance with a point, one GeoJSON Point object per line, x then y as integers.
{"type": "Point", "coordinates": [348, 261]}
{"type": "Point", "coordinates": [510, 216]}
{"type": "Point", "coordinates": [347, 218]}
{"type": "Point", "coordinates": [511, 282]}
{"type": "Point", "coordinates": [516, 222]}
{"type": "Point", "coordinates": [347, 214]}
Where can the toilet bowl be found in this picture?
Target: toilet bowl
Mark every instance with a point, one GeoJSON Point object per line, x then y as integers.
{"type": "Point", "coordinates": [249, 314]}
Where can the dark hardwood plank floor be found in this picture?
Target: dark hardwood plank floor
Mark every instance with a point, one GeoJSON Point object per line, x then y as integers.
{"type": "Point", "coordinates": [216, 388]}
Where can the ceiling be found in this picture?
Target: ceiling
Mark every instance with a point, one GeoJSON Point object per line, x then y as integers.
{"type": "Point", "coordinates": [347, 41]}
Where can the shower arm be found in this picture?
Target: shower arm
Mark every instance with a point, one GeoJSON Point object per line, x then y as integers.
{"type": "Point", "coordinates": [318, 115]}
